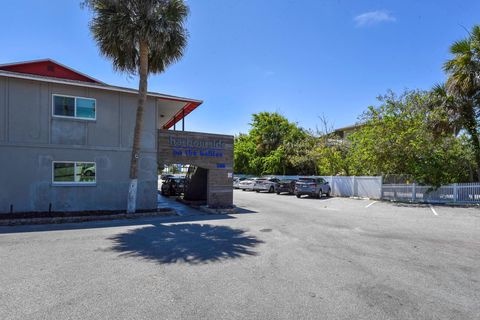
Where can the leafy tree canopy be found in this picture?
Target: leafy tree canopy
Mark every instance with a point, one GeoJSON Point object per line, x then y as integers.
{"type": "Point", "coordinates": [397, 137]}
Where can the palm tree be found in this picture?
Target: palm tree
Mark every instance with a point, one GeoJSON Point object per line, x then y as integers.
{"type": "Point", "coordinates": [463, 84]}
{"type": "Point", "coordinates": [140, 37]}
{"type": "Point", "coordinates": [448, 120]}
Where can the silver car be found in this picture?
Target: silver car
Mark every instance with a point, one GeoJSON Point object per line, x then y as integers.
{"type": "Point", "coordinates": [247, 184]}
{"type": "Point", "coordinates": [314, 187]}
{"type": "Point", "coordinates": [236, 182]}
{"type": "Point", "coordinates": [266, 184]}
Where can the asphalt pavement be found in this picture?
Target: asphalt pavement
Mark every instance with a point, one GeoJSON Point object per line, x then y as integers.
{"type": "Point", "coordinates": [279, 258]}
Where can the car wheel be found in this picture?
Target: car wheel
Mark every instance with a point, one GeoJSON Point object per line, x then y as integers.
{"type": "Point", "coordinates": [328, 194]}
{"type": "Point", "coordinates": [319, 195]}
{"type": "Point", "coordinates": [298, 196]}
{"type": "Point", "coordinates": [271, 190]}
{"type": "Point", "coordinates": [278, 192]}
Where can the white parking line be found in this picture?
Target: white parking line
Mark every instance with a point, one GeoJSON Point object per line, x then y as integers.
{"type": "Point", "coordinates": [368, 205]}
{"type": "Point", "coordinates": [433, 210]}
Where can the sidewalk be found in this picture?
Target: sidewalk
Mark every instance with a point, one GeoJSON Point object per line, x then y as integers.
{"type": "Point", "coordinates": [180, 208]}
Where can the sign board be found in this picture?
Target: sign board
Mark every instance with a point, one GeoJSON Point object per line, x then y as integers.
{"type": "Point", "coordinates": [209, 151]}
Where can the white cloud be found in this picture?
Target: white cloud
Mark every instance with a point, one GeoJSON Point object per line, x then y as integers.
{"type": "Point", "coordinates": [373, 17]}
{"type": "Point", "coordinates": [269, 73]}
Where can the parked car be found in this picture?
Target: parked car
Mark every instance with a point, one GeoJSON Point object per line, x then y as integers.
{"type": "Point", "coordinates": [89, 172]}
{"type": "Point", "coordinates": [236, 182]}
{"type": "Point", "coordinates": [266, 184]}
{"type": "Point", "coordinates": [165, 176]}
{"type": "Point", "coordinates": [173, 186]}
{"type": "Point", "coordinates": [286, 186]}
{"type": "Point", "coordinates": [247, 184]}
{"type": "Point", "coordinates": [314, 187]}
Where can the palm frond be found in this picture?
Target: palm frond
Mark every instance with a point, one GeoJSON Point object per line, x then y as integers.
{"type": "Point", "coordinates": [118, 26]}
{"type": "Point", "coordinates": [460, 47]}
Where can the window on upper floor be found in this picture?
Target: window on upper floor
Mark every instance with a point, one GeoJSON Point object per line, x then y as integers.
{"type": "Point", "coordinates": [74, 107]}
{"type": "Point", "coordinates": [72, 172]}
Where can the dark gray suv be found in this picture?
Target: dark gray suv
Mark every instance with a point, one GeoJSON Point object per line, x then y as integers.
{"type": "Point", "coordinates": [314, 187]}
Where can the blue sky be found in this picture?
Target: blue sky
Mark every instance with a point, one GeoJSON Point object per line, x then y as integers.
{"type": "Point", "coordinates": [302, 58]}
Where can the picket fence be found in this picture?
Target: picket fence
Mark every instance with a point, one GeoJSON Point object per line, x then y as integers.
{"type": "Point", "coordinates": [454, 193]}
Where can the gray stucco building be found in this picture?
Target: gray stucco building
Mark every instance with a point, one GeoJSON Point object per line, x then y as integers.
{"type": "Point", "coordinates": [65, 141]}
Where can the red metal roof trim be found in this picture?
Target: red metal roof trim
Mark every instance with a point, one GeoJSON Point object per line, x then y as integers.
{"type": "Point", "coordinates": [52, 70]}
{"type": "Point", "coordinates": [48, 68]}
{"type": "Point", "coordinates": [189, 107]}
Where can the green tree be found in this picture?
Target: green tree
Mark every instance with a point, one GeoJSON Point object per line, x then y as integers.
{"type": "Point", "coordinates": [274, 145]}
{"type": "Point", "coordinates": [243, 153]}
{"type": "Point", "coordinates": [331, 151]}
{"type": "Point", "coordinates": [302, 154]}
{"type": "Point", "coordinates": [463, 84]}
{"type": "Point", "coordinates": [332, 157]}
{"type": "Point", "coordinates": [397, 138]}
{"type": "Point", "coordinates": [275, 162]}
{"type": "Point", "coordinates": [447, 119]}
{"type": "Point", "coordinates": [140, 37]}
{"type": "Point", "coordinates": [270, 130]}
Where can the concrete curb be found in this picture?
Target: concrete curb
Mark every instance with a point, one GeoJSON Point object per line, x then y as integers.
{"type": "Point", "coordinates": [78, 219]}
{"type": "Point", "coordinates": [208, 210]}
{"type": "Point", "coordinates": [439, 204]}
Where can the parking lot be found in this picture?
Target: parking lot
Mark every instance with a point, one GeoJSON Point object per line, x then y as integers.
{"type": "Point", "coordinates": [279, 258]}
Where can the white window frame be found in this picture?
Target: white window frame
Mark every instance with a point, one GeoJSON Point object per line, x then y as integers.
{"type": "Point", "coordinates": [74, 183]}
{"type": "Point", "coordinates": [74, 107]}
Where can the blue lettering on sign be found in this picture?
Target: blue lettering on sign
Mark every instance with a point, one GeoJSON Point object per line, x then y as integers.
{"type": "Point", "coordinates": [221, 165]}
{"type": "Point", "coordinates": [196, 153]}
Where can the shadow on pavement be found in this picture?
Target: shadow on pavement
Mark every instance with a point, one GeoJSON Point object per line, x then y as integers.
{"type": "Point", "coordinates": [111, 223]}
{"type": "Point", "coordinates": [240, 210]}
{"type": "Point", "coordinates": [303, 197]}
{"type": "Point", "coordinates": [409, 204]}
{"type": "Point", "coordinates": [426, 205]}
{"type": "Point", "coordinates": [185, 243]}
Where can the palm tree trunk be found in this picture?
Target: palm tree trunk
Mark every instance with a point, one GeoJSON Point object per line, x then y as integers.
{"type": "Point", "coordinates": [471, 126]}
{"type": "Point", "coordinates": [476, 149]}
{"type": "Point", "coordinates": [142, 97]}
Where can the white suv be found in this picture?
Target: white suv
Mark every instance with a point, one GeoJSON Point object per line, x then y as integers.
{"type": "Point", "coordinates": [266, 184]}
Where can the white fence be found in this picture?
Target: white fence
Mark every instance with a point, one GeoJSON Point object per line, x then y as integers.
{"type": "Point", "coordinates": [454, 193]}
{"type": "Point", "coordinates": [371, 187]}
{"type": "Point", "coordinates": [353, 186]}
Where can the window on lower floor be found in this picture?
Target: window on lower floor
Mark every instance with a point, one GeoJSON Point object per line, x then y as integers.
{"type": "Point", "coordinates": [74, 172]}
{"type": "Point", "coordinates": [74, 107]}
